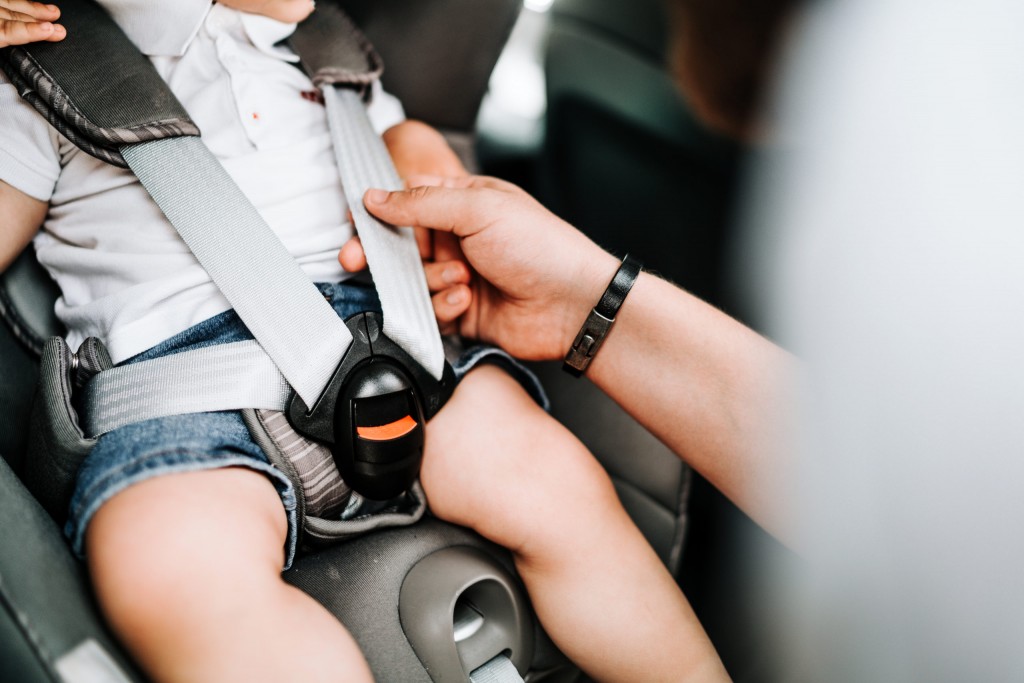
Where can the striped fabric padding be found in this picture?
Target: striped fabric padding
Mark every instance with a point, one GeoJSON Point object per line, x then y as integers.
{"type": "Point", "coordinates": [325, 492]}
{"type": "Point", "coordinates": [39, 89]}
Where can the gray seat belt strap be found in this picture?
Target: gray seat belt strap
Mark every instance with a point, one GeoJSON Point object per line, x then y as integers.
{"type": "Point", "coordinates": [271, 294]}
{"type": "Point", "coordinates": [222, 377]}
{"type": "Point", "coordinates": [498, 670]}
{"type": "Point", "coordinates": [391, 252]}
{"type": "Point", "coordinates": [294, 325]}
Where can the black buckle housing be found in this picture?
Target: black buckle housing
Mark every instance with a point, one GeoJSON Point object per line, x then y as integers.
{"type": "Point", "coordinates": [373, 411]}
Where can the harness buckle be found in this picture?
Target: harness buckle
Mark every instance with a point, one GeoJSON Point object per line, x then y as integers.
{"type": "Point", "coordinates": [373, 411]}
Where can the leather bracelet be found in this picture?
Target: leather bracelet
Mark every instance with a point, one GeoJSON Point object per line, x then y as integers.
{"type": "Point", "coordinates": [601, 318]}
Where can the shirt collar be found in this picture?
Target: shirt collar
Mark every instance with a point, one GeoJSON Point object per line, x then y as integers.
{"type": "Point", "coordinates": [159, 29]}
{"type": "Point", "coordinates": [167, 28]}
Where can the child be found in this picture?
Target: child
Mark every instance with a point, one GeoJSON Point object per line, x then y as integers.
{"type": "Point", "coordinates": [184, 525]}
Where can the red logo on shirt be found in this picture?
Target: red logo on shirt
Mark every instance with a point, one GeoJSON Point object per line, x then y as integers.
{"type": "Point", "coordinates": [313, 96]}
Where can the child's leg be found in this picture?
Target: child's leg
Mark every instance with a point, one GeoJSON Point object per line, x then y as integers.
{"type": "Point", "coordinates": [187, 568]}
{"type": "Point", "coordinates": [497, 463]}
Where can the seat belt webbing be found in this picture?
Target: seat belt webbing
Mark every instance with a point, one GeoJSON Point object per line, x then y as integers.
{"type": "Point", "coordinates": [271, 294]}
{"type": "Point", "coordinates": [273, 297]}
{"type": "Point", "coordinates": [391, 252]}
{"type": "Point", "coordinates": [498, 670]}
{"type": "Point", "coordinates": [222, 377]}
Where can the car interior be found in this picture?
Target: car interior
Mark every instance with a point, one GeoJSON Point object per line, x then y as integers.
{"type": "Point", "coordinates": [614, 150]}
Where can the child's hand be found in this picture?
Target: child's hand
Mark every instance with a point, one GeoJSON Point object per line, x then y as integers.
{"type": "Point", "coordinates": [22, 21]}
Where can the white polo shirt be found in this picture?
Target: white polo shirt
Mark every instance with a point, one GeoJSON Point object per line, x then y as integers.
{"type": "Point", "coordinates": [125, 275]}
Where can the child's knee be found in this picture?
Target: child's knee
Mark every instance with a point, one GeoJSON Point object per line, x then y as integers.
{"type": "Point", "coordinates": [163, 548]}
{"type": "Point", "coordinates": [500, 464]}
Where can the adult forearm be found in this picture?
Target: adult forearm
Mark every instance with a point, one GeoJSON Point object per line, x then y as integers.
{"type": "Point", "coordinates": [715, 392]}
{"type": "Point", "coordinates": [718, 394]}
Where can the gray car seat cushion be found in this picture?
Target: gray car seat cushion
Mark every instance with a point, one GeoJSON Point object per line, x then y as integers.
{"type": "Point", "coordinates": [44, 594]}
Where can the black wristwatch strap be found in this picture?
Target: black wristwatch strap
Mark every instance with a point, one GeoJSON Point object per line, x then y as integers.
{"type": "Point", "coordinates": [600, 320]}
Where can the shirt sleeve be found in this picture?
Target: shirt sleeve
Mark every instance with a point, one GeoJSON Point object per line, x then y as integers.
{"type": "Point", "coordinates": [385, 110]}
{"type": "Point", "coordinates": [29, 157]}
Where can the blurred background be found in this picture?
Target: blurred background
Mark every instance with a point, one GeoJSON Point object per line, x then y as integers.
{"type": "Point", "coordinates": [583, 112]}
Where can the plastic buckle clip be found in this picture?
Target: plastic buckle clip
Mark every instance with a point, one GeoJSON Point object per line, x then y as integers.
{"type": "Point", "coordinates": [373, 411]}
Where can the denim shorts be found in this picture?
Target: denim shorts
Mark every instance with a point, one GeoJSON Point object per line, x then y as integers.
{"type": "Point", "coordinates": [202, 441]}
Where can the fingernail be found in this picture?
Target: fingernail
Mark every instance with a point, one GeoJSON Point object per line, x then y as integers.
{"type": "Point", "coordinates": [52, 8]}
{"type": "Point", "coordinates": [454, 297]}
{"type": "Point", "coordinates": [376, 196]}
{"type": "Point", "coordinates": [450, 275]}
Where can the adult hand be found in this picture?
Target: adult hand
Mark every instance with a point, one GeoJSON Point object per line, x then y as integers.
{"type": "Point", "coordinates": [538, 276]}
{"type": "Point", "coordinates": [22, 21]}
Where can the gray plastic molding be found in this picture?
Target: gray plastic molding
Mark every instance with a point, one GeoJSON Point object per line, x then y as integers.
{"type": "Point", "coordinates": [460, 609]}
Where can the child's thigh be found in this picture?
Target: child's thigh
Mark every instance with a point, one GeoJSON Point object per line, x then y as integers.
{"type": "Point", "coordinates": [185, 536]}
{"type": "Point", "coordinates": [495, 461]}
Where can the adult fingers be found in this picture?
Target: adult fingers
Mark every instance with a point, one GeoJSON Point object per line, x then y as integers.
{"type": "Point", "coordinates": [451, 303]}
{"type": "Point", "coordinates": [443, 275]}
{"type": "Point", "coordinates": [352, 257]}
{"type": "Point", "coordinates": [463, 211]}
{"type": "Point", "coordinates": [463, 182]}
{"type": "Point", "coordinates": [426, 240]}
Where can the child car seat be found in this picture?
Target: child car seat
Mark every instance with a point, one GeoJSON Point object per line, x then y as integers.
{"type": "Point", "coordinates": [49, 627]}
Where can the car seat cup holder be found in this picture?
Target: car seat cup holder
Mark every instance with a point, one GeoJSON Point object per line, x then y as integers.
{"type": "Point", "coordinates": [373, 411]}
{"type": "Point", "coordinates": [460, 609]}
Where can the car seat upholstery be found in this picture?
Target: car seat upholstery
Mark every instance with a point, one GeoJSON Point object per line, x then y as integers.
{"type": "Point", "coordinates": [49, 622]}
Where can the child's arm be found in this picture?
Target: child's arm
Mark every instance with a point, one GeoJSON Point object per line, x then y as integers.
{"type": "Point", "coordinates": [22, 21]}
{"type": "Point", "coordinates": [418, 149]}
{"type": "Point", "coordinates": [20, 218]}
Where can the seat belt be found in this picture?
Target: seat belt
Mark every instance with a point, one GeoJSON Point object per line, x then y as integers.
{"type": "Point", "coordinates": [286, 314]}
{"type": "Point", "coordinates": [391, 252]}
{"type": "Point", "coordinates": [398, 372]}
{"type": "Point", "coordinates": [498, 670]}
{"type": "Point", "coordinates": [247, 261]}
{"type": "Point", "coordinates": [403, 378]}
